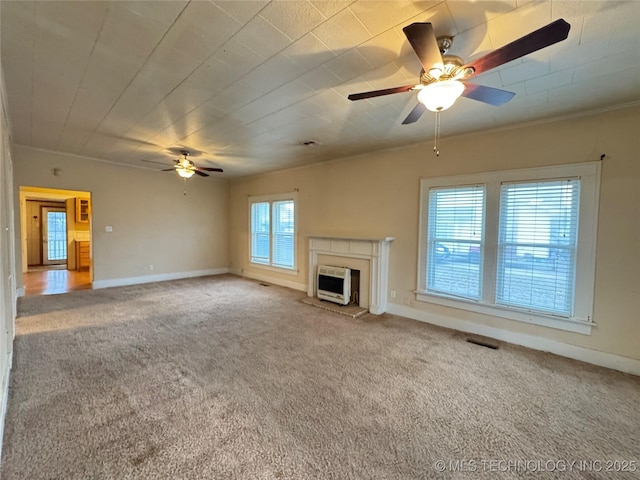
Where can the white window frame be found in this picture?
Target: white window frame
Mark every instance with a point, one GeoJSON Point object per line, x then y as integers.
{"type": "Point", "coordinates": [582, 319]}
{"type": "Point", "coordinates": [271, 199]}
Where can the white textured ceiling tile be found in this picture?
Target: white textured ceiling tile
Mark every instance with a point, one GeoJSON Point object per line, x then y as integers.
{"type": "Point", "coordinates": [308, 52]}
{"type": "Point", "coordinates": [387, 76]}
{"type": "Point", "coordinates": [273, 73]}
{"type": "Point", "coordinates": [383, 49]}
{"type": "Point", "coordinates": [518, 71]}
{"type": "Point", "coordinates": [576, 55]}
{"type": "Point", "coordinates": [231, 98]}
{"type": "Point", "coordinates": [329, 8]}
{"type": "Point", "coordinates": [342, 32]}
{"type": "Point", "coordinates": [21, 27]}
{"type": "Point", "coordinates": [549, 82]}
{"type": "Point", "coordinates": [294, 19]}
{"type": "Point", "coordinates": [625, 34]}
{"type": "Point", "coordinates": [201, 30]}
{"type": "Point", "coordinates": [517, 23]}
{"type": "Point", "coordinates": [490, 79]}
{"type": "Point", "coordinates": [348, 65]}
{"type": "Point", "coordinates": [606, 67]}
{"type": "Point", "coordinates": [159, 11]}
{"type": "Point", "coordinates": [379, 16]}
{"type": "Point", "coordinates": [590, 93]}
{"type": "Point", "coordinates": [119, 80]}
{"type": "Point", "coordinates": [183, 100]}
{"type": "Point", "coordinates": [70, 22]}
{"type": "Point", "coordinates": [239, 59]}
{"type": "Point", "coordinates": [171, 64]}
{"type": "Point", "coordinates": [262, 37]}
{"type": "Point", "coordinates": [610, 19]}
{"type": "Point", "coordinates": [289, 94]}
{"type": "Point", "coordinates": [355, 85]}
{"type": "Point", "coordinates": [321, 78]}
{"type": "Point", "coordinates": [220, 74]}
{"type": "Point", "coordinates": [472, 43]}
{"type": "Point", "coordinates": [410, 67]}
{"type": "Point", "coordinates": [470, 14]}
{"type": "Point", "coordinates": [205, 79]}
{"type": "Point", "coordinates": [439, 17]}
{"type": "Point", "coordinates": [242, 11]}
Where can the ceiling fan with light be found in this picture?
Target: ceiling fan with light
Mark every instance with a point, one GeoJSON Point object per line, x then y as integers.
{"type": "Point", "coordinates": [443, 77]}
{"type": "Point", "coordinates": [186, 168]}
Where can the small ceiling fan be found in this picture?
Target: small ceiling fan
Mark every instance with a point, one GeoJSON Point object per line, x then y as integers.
{"type": "Point", "coordinates": [443, 77]}
{"type": "Point", "coordinates": [186, 168]}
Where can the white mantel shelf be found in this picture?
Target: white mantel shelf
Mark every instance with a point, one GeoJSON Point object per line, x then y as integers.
{"type": "Point", "coordinates": [375, 250]}
{"type": "Point", "coordinates": [346, 237]}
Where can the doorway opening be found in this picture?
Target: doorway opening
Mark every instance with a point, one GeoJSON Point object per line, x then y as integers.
{"type": "Point", "coordinates": [56, 240]}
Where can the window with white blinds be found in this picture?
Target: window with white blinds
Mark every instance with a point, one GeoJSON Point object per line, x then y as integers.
{"type": "Point", "coordinates": [518, 244]}
{"type": "Point", "coordinates": [260, 233]}
{"type": "Point", "coordinates": [456, 217]}
{"type": "Point", "coordinates": [273, 231]}
{"type": "Point", "coordinates": [537, 245]}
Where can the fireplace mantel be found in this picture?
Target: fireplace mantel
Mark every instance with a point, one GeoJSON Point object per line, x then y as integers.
{"type": "Point", "coordinates": [375, 250]}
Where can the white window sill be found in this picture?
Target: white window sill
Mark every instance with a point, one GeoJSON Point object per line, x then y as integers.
{"type": "Point", "coordinates": [271, 268]}
{"type": "Point", "coordinates": [561, 323]}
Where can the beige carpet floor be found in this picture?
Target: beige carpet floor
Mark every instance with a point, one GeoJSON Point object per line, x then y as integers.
{"type": "Point", "coordinates": [223, 378]}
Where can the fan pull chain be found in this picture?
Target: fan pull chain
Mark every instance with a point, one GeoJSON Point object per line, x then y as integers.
{"type": "Point", "coordinates": [184, 192]}
{"type": "Point", "coordinates": [436, 136]}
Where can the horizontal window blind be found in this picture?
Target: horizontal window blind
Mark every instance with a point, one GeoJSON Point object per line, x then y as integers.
{"type": "Point", "coordinates": [537, 241]}
{"type": "Point", "coordinates": [455, 240]}
{"type": "Point", "coordinates": [260, 232]}
{"type": "Point", "coordinates": [273, 233]}
{"type": "Point", "coordinates": [283, 233]}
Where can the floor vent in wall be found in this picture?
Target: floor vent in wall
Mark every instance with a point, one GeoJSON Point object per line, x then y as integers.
{"type": "Point", "coordinates": [482, 344]}
{"type": "Point", "coordinates": [264, 284]}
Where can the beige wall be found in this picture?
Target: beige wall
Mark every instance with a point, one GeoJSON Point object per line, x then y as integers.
{"type": "Point", "coordinates": [153, 222]}
{"type": "Point", "coordinates": [7, 257]}
{"type": "Point", "coordinates": [377, 195]}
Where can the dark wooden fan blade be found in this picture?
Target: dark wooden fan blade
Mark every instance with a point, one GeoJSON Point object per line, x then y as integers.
{"type": "Point", "coordinates": [424, 43]}
{"type": "Point", "coordinates": [202, 174]}
{"type": "Point", "coordinates": [490, 95]}
{"type": "Point", "coordinates": [415, 114]}
{"type": "Point", "coordinates": [210, 169]}
{"type": "Point", "coordinates": [543, 37]}
{"type": "Point", "coordinates": [379, 93]}
{"type": "Point", "coordinates": [168, 169]}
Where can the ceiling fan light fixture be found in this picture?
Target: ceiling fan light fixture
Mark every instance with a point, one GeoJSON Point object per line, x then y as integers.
{"type": "Point", "coordinates": [439, 96]}
{"type": "Point", "coordinates": [185, 172]}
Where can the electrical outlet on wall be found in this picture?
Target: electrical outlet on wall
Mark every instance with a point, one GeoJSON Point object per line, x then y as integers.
{"type": "Point", "coordinates": [151, 266]}
{"type": "Point", "coordinates": [393, 294]}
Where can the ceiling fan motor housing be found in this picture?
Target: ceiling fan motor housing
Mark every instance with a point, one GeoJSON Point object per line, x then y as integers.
{"type": "Point", "coordinates": [452, 71]}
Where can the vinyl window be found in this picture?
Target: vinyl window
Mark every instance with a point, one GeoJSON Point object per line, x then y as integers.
{"type": "Point", "coordinates": [273, 231]}
{"type": "Point", "coordinates": [519, 244]}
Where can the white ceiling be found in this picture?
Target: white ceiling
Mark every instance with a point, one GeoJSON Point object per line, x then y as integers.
{"type": "Point", "coordinates": [244, 83]}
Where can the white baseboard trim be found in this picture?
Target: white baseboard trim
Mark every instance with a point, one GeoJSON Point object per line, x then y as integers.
{"type": "Point", "coordinates": [5, 398]}
{"type": "Point", "coordinates": [267, 278]}
{"type": "Point", "coordinates": [122, 282]}
{"type": "Point", "coordinates": [587, 355]}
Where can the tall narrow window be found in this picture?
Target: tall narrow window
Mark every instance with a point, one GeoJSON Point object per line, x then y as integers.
{"type": "Point", "coordinates": [283, 233]}
{"type": "Point", "coordinates": [455, 238]}
{"type": "Point", "coordinates": [260, 233]}
{"type": "Point", "coordinates": [537, 244]}
{"type": "Point", "coordinates": [273, 231]}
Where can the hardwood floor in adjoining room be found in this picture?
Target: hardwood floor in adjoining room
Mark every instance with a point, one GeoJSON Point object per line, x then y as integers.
{"type": "Point", "coordinates": [47, 281]}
